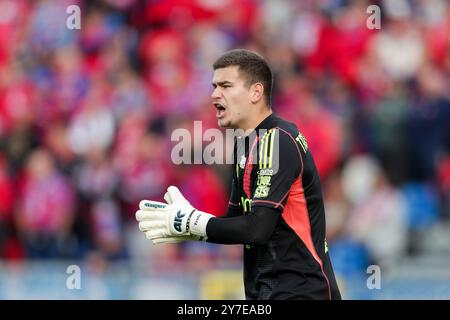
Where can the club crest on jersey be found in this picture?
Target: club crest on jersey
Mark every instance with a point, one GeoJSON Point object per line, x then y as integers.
{"type": "Point", "coordinates": [242, 162]}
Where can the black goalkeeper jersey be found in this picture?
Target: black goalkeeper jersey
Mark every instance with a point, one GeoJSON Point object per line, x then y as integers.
{"type": "Point", "coordinates": [275, 169]}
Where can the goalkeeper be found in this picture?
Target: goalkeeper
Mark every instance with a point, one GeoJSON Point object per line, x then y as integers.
{"type": "Point", "coordinates": [276, 207]}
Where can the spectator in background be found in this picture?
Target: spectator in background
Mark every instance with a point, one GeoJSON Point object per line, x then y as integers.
{"type": "Point", "coordinates": [378, 216]}
{"type": "Point", "coordinates": [387, 127]}
{"type": "Point", "coordinates": [398, 33]}
{"type": "Point", "coordinates": [45, 211]}
{"type": "Point", "coordinates": [427, 123]}
{"type": "Point", "coordinates": [55, 139]}
{"type": "Point", "coordinates": [323, 129]}
{"type": "Point", "coordinates": [142, 162]}
{"type": "Point", "coordinates": [129, 95]}
{"type": "Point", "coordinates": [96, 177]}
{"type": "Point", "coordinates": [107, 229]}
{"type": "Point", "coordinates": [92, 126]}
{"type": "Point", "coordinates": [444, 184]}
{"type": "Point", "coordinates": [65, 84]}
{"type": "Point", "coordinates": [97, 181]}
{"type": "Point", "coordinates": [18, 130]}
{"type": "Point", "coordinates": [168, 71]}
{"type": "Point", "coordinates": [9, 246]}
{"type": "Point", "coordinates": [337, 207]}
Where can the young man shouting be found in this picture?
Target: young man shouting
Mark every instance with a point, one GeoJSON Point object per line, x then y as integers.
{"type": "Point", "coordinates": [276, 206]}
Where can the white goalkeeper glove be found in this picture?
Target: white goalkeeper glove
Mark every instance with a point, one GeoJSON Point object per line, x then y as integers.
{"type": "Point", "coordinates": [173, 195]}
{"type": "Point", "coordinates": [173, 222]}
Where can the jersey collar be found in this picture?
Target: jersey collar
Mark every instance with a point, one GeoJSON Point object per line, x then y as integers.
{"type": "Point", "coordinates": [267, 123]}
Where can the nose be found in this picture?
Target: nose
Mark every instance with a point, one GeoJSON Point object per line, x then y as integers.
{"type": "Point", "coordinates": [215, 94]}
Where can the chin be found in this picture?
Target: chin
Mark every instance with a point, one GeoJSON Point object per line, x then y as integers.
{"type": "Point", "coordinates": [223, 124]}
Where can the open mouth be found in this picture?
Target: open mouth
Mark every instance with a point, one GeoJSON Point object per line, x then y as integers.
{"type": "Point", "coordinates": [220, 110]}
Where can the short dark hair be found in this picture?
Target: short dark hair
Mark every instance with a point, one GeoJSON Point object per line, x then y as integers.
{"type": "Point", "coordinates": [253, 67]}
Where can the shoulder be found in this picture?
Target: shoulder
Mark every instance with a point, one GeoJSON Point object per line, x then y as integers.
{"type": "Point", "coordinates": [279, 149]}
{"type": "Point", "coordinates": [289, 136]}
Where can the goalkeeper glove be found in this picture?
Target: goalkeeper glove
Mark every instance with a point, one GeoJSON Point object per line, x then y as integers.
{"type": "Point", "coordinates": [173, 222]}
{"type": "Point", "coordinates": [173, 195]}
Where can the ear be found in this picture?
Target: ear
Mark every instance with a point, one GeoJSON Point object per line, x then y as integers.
{"type": "Point", "coordinates": [256, 92]}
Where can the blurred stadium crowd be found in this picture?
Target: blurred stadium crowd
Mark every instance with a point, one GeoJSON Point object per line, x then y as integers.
{"type": "Point", "coordinates": [86, 118]}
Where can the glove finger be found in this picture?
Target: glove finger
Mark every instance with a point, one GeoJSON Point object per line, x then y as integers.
{"type": "Point", "coordinates": [150, 205]}
{"type": "Point", "coordinates": [168, 198]}
{"type": "Point", "coordinates": [156, 233]}
{"type": "Point", "coordinates": [176, 195]}
{"type": "Point", "coordinates": [168, 240]}
{"type": "Point", "coordinates": [142, 215]}
{"type": "Point", "coordinates": [149, 224]}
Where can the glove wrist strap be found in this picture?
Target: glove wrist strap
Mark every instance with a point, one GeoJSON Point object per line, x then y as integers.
{"type": "Point", "coordinates": [197, 223]}
{"type": "Point", "coordinates": [188, 222]}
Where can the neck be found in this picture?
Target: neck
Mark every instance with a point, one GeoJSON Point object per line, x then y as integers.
{"type": "Point", "coordinates": [256, 120]}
